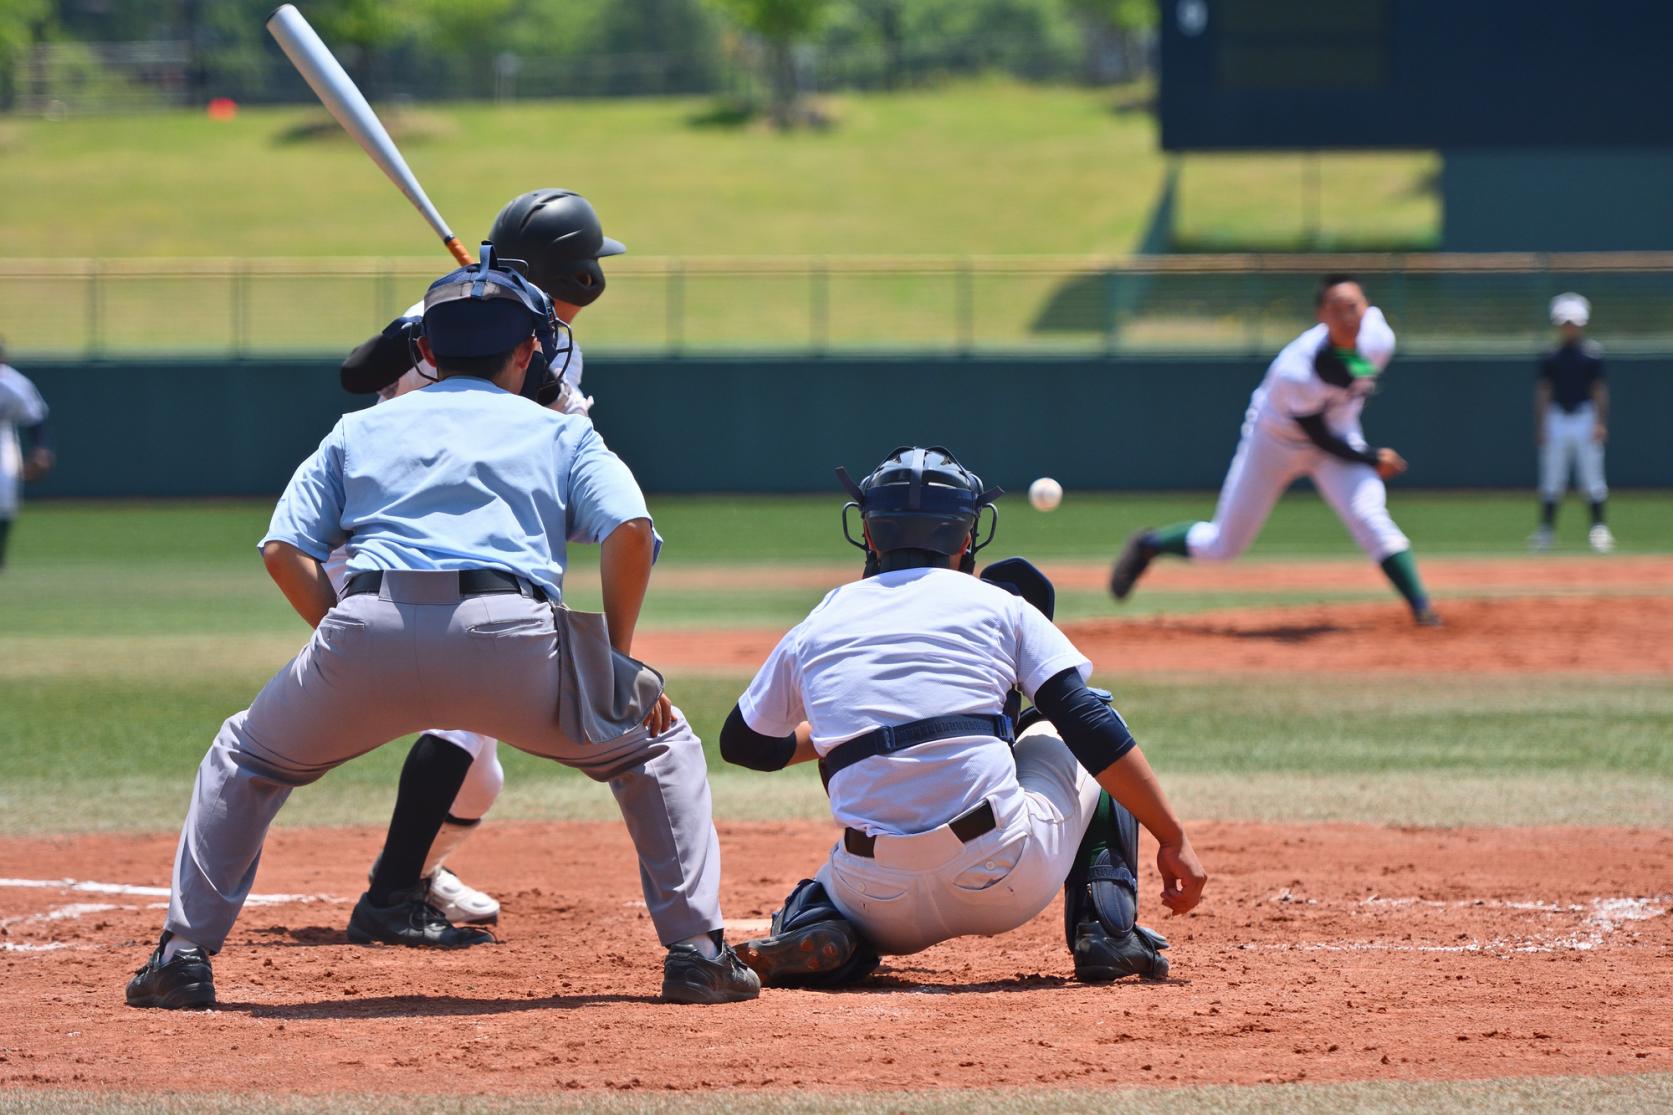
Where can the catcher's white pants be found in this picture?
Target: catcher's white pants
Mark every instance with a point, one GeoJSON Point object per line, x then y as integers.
{"type": "Point", "coordinates": [486, 776]}
{"type": "Point", "coordinates": [931, 887]}
{"type": "Point", "coordinates": [1263, 467]}
{"type": "Point", "coordinates": [1569, 443]}
{"type": "Point", "coordinates": [381, 666]}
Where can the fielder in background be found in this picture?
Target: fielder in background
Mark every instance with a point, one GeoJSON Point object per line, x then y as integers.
{"type": "Point", "coordinates": [451, 778]}
{"type": "Point", "coordinates": [1571, 423]}
{"type": "Point", "coordinates": [1303, 420]}
{"type": "Point", "coordinates": [25, 452]}
{"type": "Point", "coordinates": [902, 686]}
{"type": "Point", "coordinates": [457, 503]}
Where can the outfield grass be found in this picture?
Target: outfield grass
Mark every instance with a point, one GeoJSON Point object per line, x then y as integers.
{"type": "Point", "coordinates": [128, 631]}
{"type": "Point", "coordinates": [986, 167]}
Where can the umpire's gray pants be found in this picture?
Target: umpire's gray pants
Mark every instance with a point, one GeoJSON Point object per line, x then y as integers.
{"type": "Point", "coordinates": [415, 654]}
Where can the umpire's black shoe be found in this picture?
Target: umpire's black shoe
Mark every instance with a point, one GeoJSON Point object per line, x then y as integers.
{"type": "Point", "coordinates": [409, 919]}
{"type": "Point", "coordinates": [690, 977]}
{"type": "Point", "coordinates": [184, 983]}
{"type": "Point", "coordinates": [1100, 956]}
{"type": "Point", "coordinates": [1130, 566]}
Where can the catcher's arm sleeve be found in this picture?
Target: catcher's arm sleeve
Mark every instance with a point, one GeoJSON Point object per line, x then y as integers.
{"type": "Point", "coordinates": [381, 360]}
{"type": "Point", "coordinates": [745, 747]}
{"type": "Point", "coordinates": [1095, 734]}
{"type": "Point", "coordinates": [1337, 446]}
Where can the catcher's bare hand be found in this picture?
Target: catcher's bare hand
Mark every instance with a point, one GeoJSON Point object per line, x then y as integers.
{"type": "Point", "coordinates": [661, 717]}
{"type": "Point", "coordinates": [1390, 464]}
{"type": "Point", "coordinates": [1183, 876]}
{"type": "Point", "coordinates": [40, 463]}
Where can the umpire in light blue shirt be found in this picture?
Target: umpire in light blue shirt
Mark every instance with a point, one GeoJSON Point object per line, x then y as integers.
{"type": "Point", "coordinates": [456, 503]}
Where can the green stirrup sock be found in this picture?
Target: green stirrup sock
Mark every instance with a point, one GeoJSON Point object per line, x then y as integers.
{"type": "Point", "coordinates": [1097, 838]}
{"type": "Point", "coordinates": [1401, 571]}
{"type": "Point", "coordinates": [1171, 540]}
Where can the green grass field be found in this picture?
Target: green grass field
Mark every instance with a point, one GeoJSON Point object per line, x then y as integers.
{"type": "Point", "coordinates": [128, 631]}
{"type": "Point", "coordinates": [974, 168]}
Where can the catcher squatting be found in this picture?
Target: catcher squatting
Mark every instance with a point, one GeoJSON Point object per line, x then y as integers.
{"type": "Point", "coordinates": [454, 505]}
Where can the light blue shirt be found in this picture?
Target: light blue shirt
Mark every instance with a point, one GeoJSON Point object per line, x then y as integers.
{"type": "Point", "coordinates": [458, 475]}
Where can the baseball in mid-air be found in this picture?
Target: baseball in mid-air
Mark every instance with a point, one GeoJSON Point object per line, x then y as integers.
{"type": "Point", "coordinates": [1045, 494]}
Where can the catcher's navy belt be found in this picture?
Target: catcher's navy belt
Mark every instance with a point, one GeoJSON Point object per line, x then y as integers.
{"type": "Point", "coordinates": [966, 826]}
{"type": "Point", "coordinates": [472, 582]}
{"type": "Point", "coordinates": [898, 737]}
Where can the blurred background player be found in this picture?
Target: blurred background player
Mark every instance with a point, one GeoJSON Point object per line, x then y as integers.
{"type": "Point", "coordinates": [1571, 422]}
{"type": "Point", "coordinates": [451, 778]}
{"type": "Point", "coordinates": [25, 454]}
{"type": "Point", "coordinates": [1303, 420]}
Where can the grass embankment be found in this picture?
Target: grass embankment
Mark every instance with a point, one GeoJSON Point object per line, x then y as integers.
{"type": "Point", "coordinates": [127, 632]}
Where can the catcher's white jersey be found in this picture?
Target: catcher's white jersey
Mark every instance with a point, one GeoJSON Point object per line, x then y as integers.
{"type": "Point", "coordinates": [899, 647]}
{"type": "Point", "coordinates": [1293, 389]}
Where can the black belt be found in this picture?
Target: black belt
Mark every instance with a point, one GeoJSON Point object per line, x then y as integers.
{"type": "Point", "coordinates": [472, 582]}
{"type": "Point", "coordinates": [898, 737]}
{"type": "Point", "coordinates": [966, 826]}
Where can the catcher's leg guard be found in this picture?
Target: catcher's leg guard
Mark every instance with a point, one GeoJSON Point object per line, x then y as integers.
{"type": "Point", "coordinates": [1101, 903]}
{"type": "Point", "coordinates": [811, 944]}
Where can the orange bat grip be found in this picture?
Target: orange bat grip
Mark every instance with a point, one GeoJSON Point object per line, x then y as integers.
{"type": "Point", "coordinates": [459, 252]}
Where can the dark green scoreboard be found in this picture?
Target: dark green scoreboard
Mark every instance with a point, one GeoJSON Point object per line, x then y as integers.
{"type": "Point", "coordinates": [1442, 74]}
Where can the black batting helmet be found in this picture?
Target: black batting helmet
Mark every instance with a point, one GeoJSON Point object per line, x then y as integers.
{"type": "Point", "coordinates": [557, 233]}
{"type": "Point", "coordinates": [920, 499]}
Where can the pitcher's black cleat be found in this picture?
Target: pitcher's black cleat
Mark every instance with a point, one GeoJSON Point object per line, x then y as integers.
{"type": "Point", "coordinates": [184, 983]}
{"type": "Point", "coordinates": [410, 920]}
{"type": "Point", "coordinates": [1130, 566]}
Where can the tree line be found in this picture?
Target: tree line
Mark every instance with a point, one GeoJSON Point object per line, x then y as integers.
{"type": "Point", "coordinates": [761, 54]}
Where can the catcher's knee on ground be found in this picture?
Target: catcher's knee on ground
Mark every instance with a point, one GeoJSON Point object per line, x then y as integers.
{"type": "Point", "coordinates": [811, 944]}
{"type": "Point", "coordinates": [1101, 903]}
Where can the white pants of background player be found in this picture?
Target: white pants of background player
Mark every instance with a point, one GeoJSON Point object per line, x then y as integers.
{"type": "Point", "coordinates": [931, 887]}
{"type": "Point", "coordinates": [1264, 467]}
{"type": "Point", "coordinates": [486, 776]}
{"type": "Point", "coordinates": [11, 470]}
{"type": "Point", "coordinates": [1568, 443]}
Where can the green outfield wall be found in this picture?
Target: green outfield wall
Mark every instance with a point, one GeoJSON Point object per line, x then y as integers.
{"type": "Point", "coordinates": [162, 428]}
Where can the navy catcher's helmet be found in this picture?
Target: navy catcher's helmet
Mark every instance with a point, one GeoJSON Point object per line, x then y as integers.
{"type": "Point", "coordinates": [558, 236]}
{"type": "Point", "coordinates": [489, 308]}
{"type": "Point", "coordinates": [923, 500]}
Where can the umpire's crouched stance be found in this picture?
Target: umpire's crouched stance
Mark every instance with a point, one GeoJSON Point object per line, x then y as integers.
{"type": "Point", "coordinates": [456, 501]}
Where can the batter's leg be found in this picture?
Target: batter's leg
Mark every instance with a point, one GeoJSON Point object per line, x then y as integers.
{"type": "Point", "coordinates": [1360, 499]}
{"type": "Point", "coordinates": [430, 779]}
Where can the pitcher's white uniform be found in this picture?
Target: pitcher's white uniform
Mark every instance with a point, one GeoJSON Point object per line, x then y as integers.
{"type": "Point", "coordinates": [486, 776]}
{"type": "Point", "coordinates": [856, 664]}
{"type": "Point", "coordinates": [1274, 451]}
{"type": "Point", "coordinates": [20, 405]}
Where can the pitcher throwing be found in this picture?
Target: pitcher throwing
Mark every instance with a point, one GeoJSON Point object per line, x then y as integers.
{"type": "Point", "coordinates": [1303, 420]}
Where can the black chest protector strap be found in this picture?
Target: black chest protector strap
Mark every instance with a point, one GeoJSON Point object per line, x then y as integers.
{"type": "Point", "coordinates": [898, 737]}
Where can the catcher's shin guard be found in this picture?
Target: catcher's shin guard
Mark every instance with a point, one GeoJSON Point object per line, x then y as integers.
{"type": "Point", "coordinates": [1101, 903]}
{"type": "Point", "coordinates": [811, 944]}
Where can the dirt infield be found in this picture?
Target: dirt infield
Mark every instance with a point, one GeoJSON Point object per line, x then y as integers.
{"type": "Point", "coordinates": [1324, 952]}
{"type": "Point", "coordinates": [1571, 634]}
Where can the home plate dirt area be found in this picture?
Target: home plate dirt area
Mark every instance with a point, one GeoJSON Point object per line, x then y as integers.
{"type": "Point", "coordinates": [1326, 952]}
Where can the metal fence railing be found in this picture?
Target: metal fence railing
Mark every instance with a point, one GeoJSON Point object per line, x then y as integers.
{"type": "Point", "coordinates": [1248, 304]}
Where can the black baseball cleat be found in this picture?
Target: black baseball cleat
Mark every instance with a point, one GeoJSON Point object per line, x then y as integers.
{"type": "Point", "coordinates": [410, 920]}
{"type": "Point", "coordinates": [1101, 957]}
{"type": "Point", "coordinates": [1130, 566]}
{"type": "Point", "coordinates": [184, 983]}
{"type": "Point", "coordinates": [790, 958]}
{"type": "Point", "coordinates": [690, 977]}
{"type": "Point", "coordinates": [1427, 617]}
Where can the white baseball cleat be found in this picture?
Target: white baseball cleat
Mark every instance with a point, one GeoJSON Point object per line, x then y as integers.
{"type": "Point", "coordinates": [461, 903]}
{"type": "Point", "coordinates": [1600, 538]}
{"type": "Point", "coordinates": [1540, 540]}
